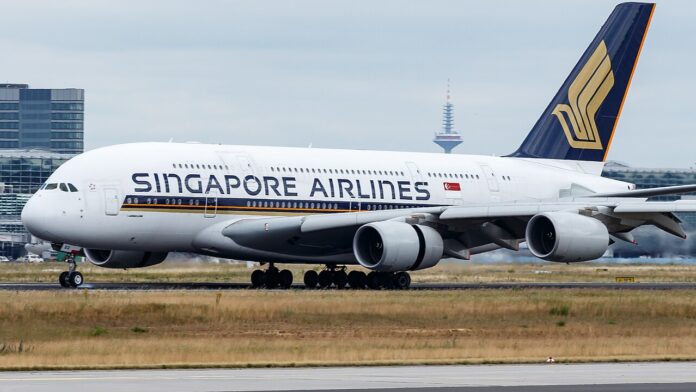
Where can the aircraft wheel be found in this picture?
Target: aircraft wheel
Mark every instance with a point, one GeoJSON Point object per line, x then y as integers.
{"type": "Point", "coordinates": [311, 279]}
{"type": "Point", "coordinates": [75, 279]}
{"type": "Point", "coordinates": [386, 280]}
{"type": "Point", "coordinates": [402, 280]}
{"type": "Point", "coordinates": [257, 278]}
{"type": "Point", "coordinates": [325, 279]}
{"type": "Point", "coordinates": [285, 279]}
{"type": "Point", "coordinates": [373, 280]}
{"type": "Point", "coordinates": [340, 279]}
{"type": "Point", "coordinates": [272, 278]}
{"type": "Point", "coordinates": [63, 279]}
{"type": "Point", "coordinates": [357, 279]}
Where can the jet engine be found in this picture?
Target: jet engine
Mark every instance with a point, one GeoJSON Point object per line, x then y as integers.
{"type": "Point", "coordinates": [566, 237]}
{"type": "Point", "coordinates": [397, 246]}
{"type": "Point", "coordinates": [123, 258]}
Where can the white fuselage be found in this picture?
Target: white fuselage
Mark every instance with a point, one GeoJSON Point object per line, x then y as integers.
{"type": "Point", "coordinates": [159, 196]}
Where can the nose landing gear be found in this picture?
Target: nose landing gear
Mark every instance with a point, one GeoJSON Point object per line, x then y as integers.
{"type": "Point", "coordinates": [71, 277]}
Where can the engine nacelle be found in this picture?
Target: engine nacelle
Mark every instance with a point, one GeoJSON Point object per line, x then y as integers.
{"type": "Point", "coordinates": [566, 237]}
{"type": "Point", "coordinates": [397, 246]}
{"type": "Point", "coordinates": [123, 258]}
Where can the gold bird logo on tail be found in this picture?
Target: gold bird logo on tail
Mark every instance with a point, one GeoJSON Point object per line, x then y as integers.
{"type": "Point", "coordinates": [585, 95]}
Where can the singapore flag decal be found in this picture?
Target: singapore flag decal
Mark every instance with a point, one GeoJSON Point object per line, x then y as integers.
{"type": "Point", "coordinates": [452, 186]}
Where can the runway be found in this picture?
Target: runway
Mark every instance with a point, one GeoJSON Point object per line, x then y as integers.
{"type": "Point", "coordinates": [415, 286]}
{"type": "Point", "coordinates": [614, 377]}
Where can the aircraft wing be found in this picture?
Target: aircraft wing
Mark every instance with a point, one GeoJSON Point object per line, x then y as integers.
{"type": "Point", "coordinates": [466, 230]}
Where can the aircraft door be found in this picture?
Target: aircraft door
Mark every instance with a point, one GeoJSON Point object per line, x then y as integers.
{"type": "Point", "coordinates": [414, 171]}
{"type": "Point", "coordinates": [490, 178]}
{"type": "Point", "coordinates": [112, 201]}
{"type": "Point", "coordinates": [211, 204]}
{"type": "Point", "coordinates": [240, 161]}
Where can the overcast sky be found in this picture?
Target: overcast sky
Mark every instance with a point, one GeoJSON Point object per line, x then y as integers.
{"type": "Point", "coordinates": [344, 74]}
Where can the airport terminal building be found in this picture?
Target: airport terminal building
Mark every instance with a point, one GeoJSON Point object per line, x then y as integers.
{"type": "Point", "coordinates": [40, 129]}
{"type": "Point", "coordinates": [653, 242]}
{"type": "Point", "coordinates": [656, 177]}
{"type": "Point", "coordinates": [49, 119]}
{"type": "Point", "coordinates": [21, 174]}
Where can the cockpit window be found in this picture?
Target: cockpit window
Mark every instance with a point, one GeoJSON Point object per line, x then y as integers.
{"type": "Point", "coordinates": [63, 187]}
{"type": "Point", "coordinates": [51, 186]}
{"type": "Point", "coordinates": [72, 188]}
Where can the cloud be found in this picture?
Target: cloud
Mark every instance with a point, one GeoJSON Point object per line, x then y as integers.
{"type": "Point", "coordinates": [342, 74]}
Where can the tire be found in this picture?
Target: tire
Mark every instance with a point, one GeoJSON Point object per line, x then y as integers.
{"type": "Point", "coordinates": [373, 281]}
{"type": "Point", "coordinates": [257, 279]}
{"type": "Point", "coordinates": [357, 279]}
{"type": "Point", "coordinates": [340, 279]}
{"type": "Point", "coordinates": [386, 280]}
{"type": "Point", "coordinates": [63, 279]}
{"type": "Point", "coordinates": [311, 279]}
{"type": "Point", "coordinates": [272, 278]}
{"type": "Point", "coordinates": [402, 280]}
{"type": "Point", "coordinates": [75, 279]}
{"type": "Point", "coordinates": [285, 279]}
{"type": "Point", "coordinates": [325, 279]}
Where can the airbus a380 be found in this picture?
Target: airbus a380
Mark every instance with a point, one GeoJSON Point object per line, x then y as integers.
{"type": "Point", "coordinates": [129, 205]}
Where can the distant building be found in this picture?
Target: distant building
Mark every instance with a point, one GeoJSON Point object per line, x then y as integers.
{"type": "Point", "coordinates": [651, 241]}
{"type": "Point", "coordinates": [50, 119]}
{"type": "Point", "coordinates": [448, 139]}
{"type": "Point", "coordinates": [21, 174]}
{"type": "Point", "coordinates": [655, 177]}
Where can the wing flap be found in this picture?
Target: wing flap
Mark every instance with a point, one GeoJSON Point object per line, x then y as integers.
{"type": "Point", "coordinates": [651, 192]}
{"type": "Point", "coordinates": [657, 206]}
{"type": "Point", "coordinates": [506, 210]}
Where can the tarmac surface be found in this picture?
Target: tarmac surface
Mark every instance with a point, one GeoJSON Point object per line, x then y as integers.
{"type": "Point", "coordinates": [415, 286]}
{"type": "Point", "coordinates": [613, 377]}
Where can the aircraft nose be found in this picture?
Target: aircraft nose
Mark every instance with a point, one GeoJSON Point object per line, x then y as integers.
{"type": "Point", "coordinates": [34, 217]}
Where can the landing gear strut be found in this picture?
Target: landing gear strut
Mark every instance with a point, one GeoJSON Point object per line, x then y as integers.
{"type": "Point", "coordinates": [271, 278]}
{"type": "Point", "coordinates": [71, 277]}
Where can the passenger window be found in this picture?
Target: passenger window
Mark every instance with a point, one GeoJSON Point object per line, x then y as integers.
{"type": "Point", "coordinates": [63, 187]}
{"type": "Point", "coordinates": [72, 188]}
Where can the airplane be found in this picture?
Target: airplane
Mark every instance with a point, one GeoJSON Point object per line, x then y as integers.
{"type": "Point", "coordinates": [129, 205]}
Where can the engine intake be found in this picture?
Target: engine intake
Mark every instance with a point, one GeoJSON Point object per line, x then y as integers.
{"type": "Point", "coordinates": [566, 237]}
{"type": "Point", "coordinates": [123, 258]}
{"type": "Point", "coordinates": [397, 246]}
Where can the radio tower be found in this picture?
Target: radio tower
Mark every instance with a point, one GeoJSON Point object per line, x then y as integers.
{"type": "Point", "coordinates": [448, 139]}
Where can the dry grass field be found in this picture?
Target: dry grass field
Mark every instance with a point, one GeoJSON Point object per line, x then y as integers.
{"type": "Point", "coordinates": [444, 272]}
{"type": "Point", "coordinates": [92, 329]}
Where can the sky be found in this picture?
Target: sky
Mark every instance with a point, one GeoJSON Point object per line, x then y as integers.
{"type": "Point", "coordinates": [344, 74]}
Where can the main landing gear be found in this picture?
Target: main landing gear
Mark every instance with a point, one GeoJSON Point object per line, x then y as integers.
{"type": "Point", "coordinates": [271, 278]}
{"type": "Point", "coordinates": [71, 277]}
{"type": "Point", "coordinates": [337, 277]}
{"type": "Point", "coordinates": [332, 277]}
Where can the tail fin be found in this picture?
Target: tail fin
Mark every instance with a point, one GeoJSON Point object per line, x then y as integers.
{"type": "Point", "coordinates": [580, 121]}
